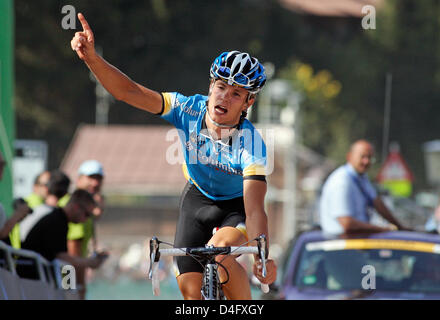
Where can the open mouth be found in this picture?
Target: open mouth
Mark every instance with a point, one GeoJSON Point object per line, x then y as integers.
{"type": "Point", "coordinates": [220, 109]}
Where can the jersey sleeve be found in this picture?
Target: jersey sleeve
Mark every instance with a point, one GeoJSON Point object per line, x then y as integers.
{"type": "Point", "coordinates": [178, 109]}
{"type": "Point", "coordinates": [253, 158]}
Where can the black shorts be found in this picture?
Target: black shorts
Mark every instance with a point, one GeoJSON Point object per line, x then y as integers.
{"type": "Point", "coordinates": [198, 216]}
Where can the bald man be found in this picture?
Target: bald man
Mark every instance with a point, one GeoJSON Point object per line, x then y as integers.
{"type": "Point", "coordinates": [347, 194]}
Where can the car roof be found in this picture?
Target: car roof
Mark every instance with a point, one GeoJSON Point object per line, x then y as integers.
{"type": "Point", "coordinates": [310, 236]}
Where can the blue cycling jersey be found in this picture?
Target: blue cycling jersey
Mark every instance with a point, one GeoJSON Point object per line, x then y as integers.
{"type": "Point", "coordinates": [216, 167]}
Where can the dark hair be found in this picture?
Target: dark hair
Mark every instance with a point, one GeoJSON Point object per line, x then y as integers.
{"type": "Point", "coordinates": [58, 183]}
{"type": "Point", "coordinates": [82, 197]}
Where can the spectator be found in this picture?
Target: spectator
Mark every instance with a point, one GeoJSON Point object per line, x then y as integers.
{"type": "Point", "coordinates": [90, 178]}
{"type": "Point", "coordinates": [39, 191]}
{"type": "Point", "coordinates": [49, 235]}
{"type": "Point", "coordinates": [347, 194]}
{"type": "Point", "coordinates": [58, 187]}
{"type": "Point", "coordinates": [21, 210]}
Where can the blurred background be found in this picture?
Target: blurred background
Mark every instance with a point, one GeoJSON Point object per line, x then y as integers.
{"type": "Point", "coordinates": [339, 70]}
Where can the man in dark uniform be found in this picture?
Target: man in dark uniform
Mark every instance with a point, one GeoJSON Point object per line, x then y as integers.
{"type": "Point", "coordinates": [49, 236]}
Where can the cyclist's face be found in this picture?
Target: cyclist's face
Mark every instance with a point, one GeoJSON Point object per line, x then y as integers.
{"type": "Point", "coordinates": [360, 156]}
{"type": "Point", "coordinates": [226, 102]}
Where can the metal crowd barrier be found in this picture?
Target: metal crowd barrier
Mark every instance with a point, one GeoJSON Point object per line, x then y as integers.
{"type": "Point", "coordinates": [47, 285]}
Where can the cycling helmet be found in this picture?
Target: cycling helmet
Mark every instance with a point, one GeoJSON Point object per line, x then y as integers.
{"type": "Point", "coordinates": [240, 69]}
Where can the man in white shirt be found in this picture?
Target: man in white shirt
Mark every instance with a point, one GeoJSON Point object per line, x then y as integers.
{"type": "Point", "coordinates": [347, 193]}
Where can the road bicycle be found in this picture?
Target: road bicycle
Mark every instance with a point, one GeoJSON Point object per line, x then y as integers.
{"type": "Point", "coordinates": [211, 286]}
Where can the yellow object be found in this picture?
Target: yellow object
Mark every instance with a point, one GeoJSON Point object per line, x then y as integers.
{"type": "Point", "coordinates": [254, 169]}
{"type": "Point", "coordinates": [33, 200]}
{"type": "Point", "coordinates": [14, 237]}
{"type": "Point", "coordinates": [63, 201]}
{"type": "Point", "coordinates": [167, 102]}
{"type": "Point", "coordinates": [365, 244]}
{"type": "Point", "coordinates": [398, 188]}
{"type": "Point", "coordinates": [83, 232]}
{"type": "Point", "coordinates": [78, 231]}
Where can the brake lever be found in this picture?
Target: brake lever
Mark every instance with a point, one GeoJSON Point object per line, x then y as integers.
{"type": "Point", "coordinates": [262, 251]}
{"type": "Point", "coordinates": [154, 255]}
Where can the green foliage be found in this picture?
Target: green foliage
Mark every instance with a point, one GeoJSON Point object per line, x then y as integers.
{"type": "Point", "coordinates": [406, 44]}
{"type": "Point", "coordinates": [169, 46]}
{"type": "Point", "coordinates": [323, 126]}
{"type": "Point", "coordinates": [165, 45]}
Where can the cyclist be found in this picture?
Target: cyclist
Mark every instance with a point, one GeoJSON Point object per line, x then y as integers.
{"type": "Point", "coordinates": [224, 160]}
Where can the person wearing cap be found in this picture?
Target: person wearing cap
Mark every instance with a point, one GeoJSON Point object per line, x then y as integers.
{"type": "Point", "coordinates": [90, 178]}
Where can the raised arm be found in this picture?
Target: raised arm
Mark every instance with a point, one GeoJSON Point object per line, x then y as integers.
{"type": "Point", "coordinates": [112, 79]}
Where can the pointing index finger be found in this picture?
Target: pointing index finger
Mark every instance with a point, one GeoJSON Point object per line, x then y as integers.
{"type": "Point", "coordinates": [84, 22]}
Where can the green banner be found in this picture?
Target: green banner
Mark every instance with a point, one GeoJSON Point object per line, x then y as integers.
{"type": "Point", "coordinates": [7, 128]}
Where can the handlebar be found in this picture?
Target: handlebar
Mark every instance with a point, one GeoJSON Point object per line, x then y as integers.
{"type": "Point", "coordinates": [208, 251]}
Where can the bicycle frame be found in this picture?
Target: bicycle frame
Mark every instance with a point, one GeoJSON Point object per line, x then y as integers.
{"type": "Point", "coordinates": [211, 288]}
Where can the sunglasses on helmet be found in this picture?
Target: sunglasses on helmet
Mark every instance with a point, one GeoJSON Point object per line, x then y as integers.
{"type": "Point", "coordinates": [238, 78]}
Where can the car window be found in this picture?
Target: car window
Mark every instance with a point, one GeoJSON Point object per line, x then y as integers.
{"type": "Point", "coordinates": [389, 269]}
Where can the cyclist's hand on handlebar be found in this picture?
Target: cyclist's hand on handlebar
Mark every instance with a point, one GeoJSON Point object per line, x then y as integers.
{"type": "Point", "coordinates": [271, 269]}
{"type": "Point", "coordinates": [83, 42]}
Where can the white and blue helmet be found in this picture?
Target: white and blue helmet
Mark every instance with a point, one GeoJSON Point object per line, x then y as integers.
{"type": "Point", "coordinates": [240, 69]}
